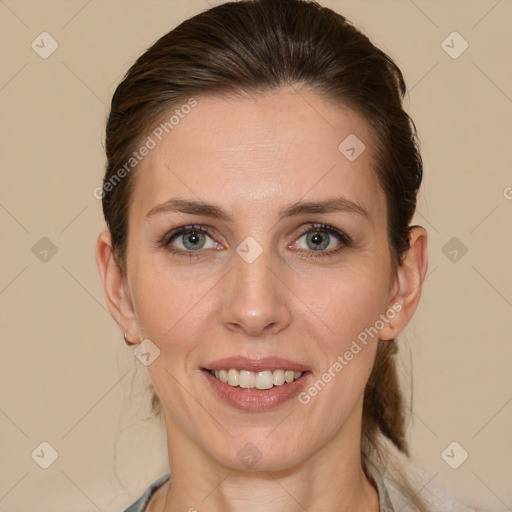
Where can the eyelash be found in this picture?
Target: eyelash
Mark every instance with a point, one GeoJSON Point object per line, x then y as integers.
{"type": "Point", "coordinates": [345, 239]}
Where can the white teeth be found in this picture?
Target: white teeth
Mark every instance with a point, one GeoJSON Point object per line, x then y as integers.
{"type": "Point", "coordinates": [278, 377]}
{"type": "Point", "coordinates": [233, 377]}
{"type": "Point", "coordinates": [289, 376]}
{"type": "Point", "coordinates": [265, 379]}
{"type": "Point", "coordinates": [246, 379]}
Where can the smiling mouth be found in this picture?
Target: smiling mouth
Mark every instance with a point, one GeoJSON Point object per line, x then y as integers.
{"type": "Point", "coordinates": [261, 380]}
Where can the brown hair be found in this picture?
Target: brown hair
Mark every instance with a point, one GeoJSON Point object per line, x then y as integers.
{"type": "Point", "coordinates": [260, 45]}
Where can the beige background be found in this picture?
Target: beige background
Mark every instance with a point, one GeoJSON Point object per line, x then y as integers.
{"type": "Point", "coordinates": [65, 373]}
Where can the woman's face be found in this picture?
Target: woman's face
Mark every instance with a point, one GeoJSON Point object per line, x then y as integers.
{"type": "Point", "coordinates": [260, 280]}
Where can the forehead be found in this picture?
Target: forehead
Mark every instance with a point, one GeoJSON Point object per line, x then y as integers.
{"type": "Point", "coordinates": [271, 148]}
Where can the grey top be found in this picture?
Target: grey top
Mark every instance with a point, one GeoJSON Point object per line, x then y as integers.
{"type": "Point", "coordinates": [141, 503]}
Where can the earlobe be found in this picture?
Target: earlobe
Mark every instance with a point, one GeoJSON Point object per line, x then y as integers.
{"type": "Point", "coordinates": [118, 301]}
{"type": "Point", "coordinates": [407, 284]}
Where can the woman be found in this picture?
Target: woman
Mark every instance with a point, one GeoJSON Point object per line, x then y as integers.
{"type": "Point", "coordinates": [261, 179]}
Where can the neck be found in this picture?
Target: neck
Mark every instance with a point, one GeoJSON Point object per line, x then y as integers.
{"type": "Point", "coordinates": [269, 492]}
{"type": "Point", "coordinates": [331, 479]}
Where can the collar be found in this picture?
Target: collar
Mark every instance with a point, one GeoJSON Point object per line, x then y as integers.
{"type": "Point", "coordinates": [385, 504]}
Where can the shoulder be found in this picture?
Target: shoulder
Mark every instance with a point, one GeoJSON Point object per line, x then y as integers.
{"type": "Point", "coordinates": [403, 479]}
{"type": "Point", "coordinates": [435, 496]}
{"type": "Point", "coordinates": [140, 504]}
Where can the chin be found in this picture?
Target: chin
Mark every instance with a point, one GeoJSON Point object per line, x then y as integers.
{"type": "Point", "coordinates": [257, 453]}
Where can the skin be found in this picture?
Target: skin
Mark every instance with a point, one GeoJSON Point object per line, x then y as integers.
{"type": "Point", "coordinates": [253, 156]}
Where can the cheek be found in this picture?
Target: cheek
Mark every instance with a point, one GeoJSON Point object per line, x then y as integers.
{"type": "Point", "coordinates": [341, 305]}
{"type": "Point", "coordinates": [167, 303]}
{"type": "Point", "coordinates": [346, 311]}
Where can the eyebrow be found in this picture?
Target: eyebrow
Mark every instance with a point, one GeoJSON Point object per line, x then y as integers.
{"type": "Point", "coordinates": [339, 204]}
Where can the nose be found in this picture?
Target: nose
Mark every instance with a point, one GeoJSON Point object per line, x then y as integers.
{"type": "Point", "coordinates": [256, 299]}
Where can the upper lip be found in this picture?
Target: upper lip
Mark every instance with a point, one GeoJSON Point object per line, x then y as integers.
{"type": "Point", "coordinates": [256, 364]}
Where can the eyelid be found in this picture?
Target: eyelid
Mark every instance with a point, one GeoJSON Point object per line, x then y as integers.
{"type": "Point", "coordinates": [343, 237]}
{"type": "Point", "coordinates": [344, 241]}
{"type": "Point", "coordinates": [186, 229]}
{"type": "Point", "coordinates": [321, 226]}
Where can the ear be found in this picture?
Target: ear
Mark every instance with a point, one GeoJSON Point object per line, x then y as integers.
{"type": "Point", "coordinates": [406, 291]}
{"type": "Point", "coordinates": [116, 289]}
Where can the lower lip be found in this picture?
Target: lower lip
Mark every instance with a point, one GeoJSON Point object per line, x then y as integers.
{"type": "Point", "coordinates": [257, 400]}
